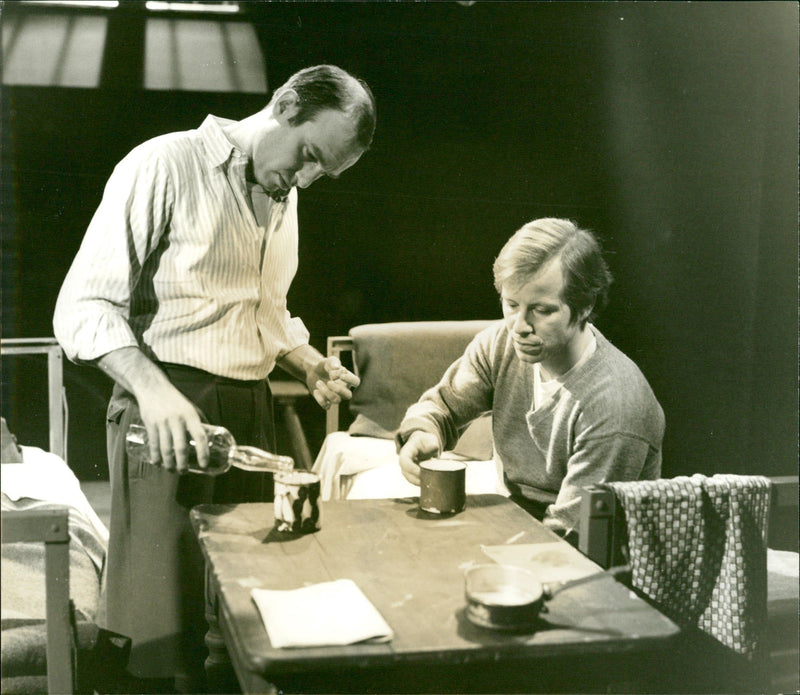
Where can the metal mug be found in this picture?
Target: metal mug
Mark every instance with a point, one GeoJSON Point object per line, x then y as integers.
{"type": "Point", "coordinates": [297, 502]}
{"type": "Point", "coordinates": [442, 486]}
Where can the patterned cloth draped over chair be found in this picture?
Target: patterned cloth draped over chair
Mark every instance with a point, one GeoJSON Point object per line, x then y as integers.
{"type": "Point", "coordinates": [697, 548]}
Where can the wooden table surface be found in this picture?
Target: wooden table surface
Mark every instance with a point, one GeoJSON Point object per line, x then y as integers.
{"type": "Point", "coordinates": [411, 567]}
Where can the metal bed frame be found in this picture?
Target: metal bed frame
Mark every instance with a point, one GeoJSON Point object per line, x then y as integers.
{"type": "Point", "coordinates": [57, 403]}
{"type": "Point", "coordinates": [50, 526]}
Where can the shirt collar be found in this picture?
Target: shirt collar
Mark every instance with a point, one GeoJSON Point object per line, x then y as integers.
{"type": "Point", "coordinates": [217, 145]}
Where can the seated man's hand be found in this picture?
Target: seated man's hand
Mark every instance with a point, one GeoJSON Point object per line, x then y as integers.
{"type": "Point", "coordinates": [331, 382]}
{"type": "Point", "coordinates": [419, 447]}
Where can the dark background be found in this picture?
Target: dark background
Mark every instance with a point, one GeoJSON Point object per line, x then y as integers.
{"type": "Point", "coordinates": [670, 129]}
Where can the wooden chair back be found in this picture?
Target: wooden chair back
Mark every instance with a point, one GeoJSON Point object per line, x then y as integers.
{"type": "Point", "coordinates": [602, 530]}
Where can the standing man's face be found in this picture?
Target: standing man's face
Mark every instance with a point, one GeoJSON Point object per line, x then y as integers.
{"type": "Point", "coordinates": [538, 320]}
{"type": "Point", "coordinates": [287, 156]}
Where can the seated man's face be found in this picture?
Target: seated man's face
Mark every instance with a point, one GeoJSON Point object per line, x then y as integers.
{"type": "Point", "coordinates": [539, 320]}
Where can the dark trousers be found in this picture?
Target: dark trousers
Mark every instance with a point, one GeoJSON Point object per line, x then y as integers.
{"type": "Point", "coordinates": [155, 574]}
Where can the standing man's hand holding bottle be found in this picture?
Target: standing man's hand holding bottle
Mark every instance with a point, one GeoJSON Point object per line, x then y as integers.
{"type": "Point", "coordinates": [171, 420]}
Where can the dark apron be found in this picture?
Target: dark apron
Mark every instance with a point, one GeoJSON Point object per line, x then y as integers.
{"type": "Point", "coordinates": [155, 574]}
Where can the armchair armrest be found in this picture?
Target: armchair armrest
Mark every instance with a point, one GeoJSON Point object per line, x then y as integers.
{"type": "Point", "coordinates": [600, 527]}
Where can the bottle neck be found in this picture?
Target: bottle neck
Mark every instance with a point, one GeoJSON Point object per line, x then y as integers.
{"type": "Point", "coordinates": [251, 458]}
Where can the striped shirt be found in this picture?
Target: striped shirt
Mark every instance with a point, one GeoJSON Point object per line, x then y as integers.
{"type": "Point", "coordinates": [175, 262]}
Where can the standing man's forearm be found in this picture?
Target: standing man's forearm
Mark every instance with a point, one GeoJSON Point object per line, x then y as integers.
{"type": "Point", "coordinates": [133, 370]}
{"type": "Point", "coordinates": [170, 418]}
{"type": "Point", "coordinates": [301, 362]}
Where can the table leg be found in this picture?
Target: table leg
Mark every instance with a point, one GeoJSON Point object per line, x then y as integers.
{"type": "Point", "coordinates": [220, 676]}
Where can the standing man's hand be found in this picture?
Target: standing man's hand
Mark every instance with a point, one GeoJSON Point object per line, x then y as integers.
{"type": "Point", "coordinates": [325, 377]}
{"type": "Point", "coordinates": [170, 418]}
{"type": "Point", "coordinates": [419, 447]}
{"type": "Point", "coordinates": [172, 422]}
{"type": "Point", "coordinates": [331, 383]}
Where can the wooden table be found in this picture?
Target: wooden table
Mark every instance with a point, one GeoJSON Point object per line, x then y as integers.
{"type": "Point", "coordinates": [410, 565]}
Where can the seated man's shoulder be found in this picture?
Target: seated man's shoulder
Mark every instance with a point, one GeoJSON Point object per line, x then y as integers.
{"type": "Point", "coordinates": [496, 340]}
{"type": "Point", "coordinates": [492, 343]}
{"type": "Point", "coordinates": [616, 389]}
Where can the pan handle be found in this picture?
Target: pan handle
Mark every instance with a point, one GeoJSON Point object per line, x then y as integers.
{"type": "Point", "coordinates": [550, 590]}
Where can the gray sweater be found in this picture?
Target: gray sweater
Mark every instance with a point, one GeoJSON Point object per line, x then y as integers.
{"type": "Point", "coordinates": [604, 423]}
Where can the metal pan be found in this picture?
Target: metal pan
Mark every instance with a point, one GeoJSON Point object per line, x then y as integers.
{"type": "Point", "coordinates": [506, 597]}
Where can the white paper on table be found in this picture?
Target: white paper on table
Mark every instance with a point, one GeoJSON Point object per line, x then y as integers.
{"type": "Point", "coordinates": [551, 562]}
{"type": "Point", "coordinates": [325, 614]}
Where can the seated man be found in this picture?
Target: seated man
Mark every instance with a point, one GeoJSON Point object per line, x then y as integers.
{"type": "Point", "coordinates": [568, 408]}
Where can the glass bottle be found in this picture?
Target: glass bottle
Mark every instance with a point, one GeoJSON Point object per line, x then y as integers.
{"type": "Point", "coordinates": [223, 453]}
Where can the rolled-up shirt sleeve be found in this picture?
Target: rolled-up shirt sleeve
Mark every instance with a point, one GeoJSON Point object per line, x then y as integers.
{"type": "Point", "coordinates": [296, 334]}
{"type": "Point", "coordinates": [92, 312]}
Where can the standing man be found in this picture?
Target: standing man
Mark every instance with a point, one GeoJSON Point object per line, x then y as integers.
{"type": "Point", "coordinates": [178, 293]}
{"type": "Point", "coordinates": [568, 408]}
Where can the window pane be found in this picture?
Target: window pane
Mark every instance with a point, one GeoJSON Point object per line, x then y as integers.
{"type": "Point", "coordinates": [201, 55]}
{"type": "Point", "coordinates": [56, 50]}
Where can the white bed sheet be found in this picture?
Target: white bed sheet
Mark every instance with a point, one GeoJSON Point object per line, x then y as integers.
{"type": "Point", "coordinates": [41, 481]}
{"type": "Point", "coordinates": [355, 467]}
{"type": "Point", "coordinates": [47, 477]}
